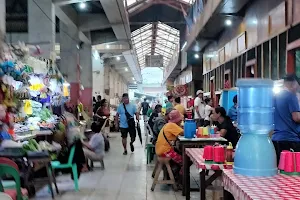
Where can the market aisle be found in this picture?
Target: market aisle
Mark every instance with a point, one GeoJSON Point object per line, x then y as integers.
{"type": "Point", "coordinates": [125, 178]}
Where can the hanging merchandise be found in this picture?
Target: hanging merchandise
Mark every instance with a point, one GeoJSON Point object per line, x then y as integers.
{"type": "Point", "coordinates": [66, 92]}
{"type": "Point", "coordinates": [27, 107]}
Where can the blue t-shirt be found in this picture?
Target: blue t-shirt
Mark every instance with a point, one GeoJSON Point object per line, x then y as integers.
{"type": "Point", "coordinates": [131, 109]}
{"type": "Point", "coordinates": [286, 129]}
{"type": "Point", "coordinates": [232, 113]}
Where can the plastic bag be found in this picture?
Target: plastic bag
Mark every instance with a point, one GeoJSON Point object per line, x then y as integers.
{"type": "Point", "coordinates": [28, 107]}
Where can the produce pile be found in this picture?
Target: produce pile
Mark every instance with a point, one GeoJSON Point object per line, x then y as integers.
{"type": "Point", "coordinates": [32, 145]}
{"type": "Point", "coordinates": [34, 117]}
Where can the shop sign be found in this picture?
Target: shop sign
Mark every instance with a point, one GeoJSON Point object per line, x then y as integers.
{"type": "Point", "coordinates": [180, 90]}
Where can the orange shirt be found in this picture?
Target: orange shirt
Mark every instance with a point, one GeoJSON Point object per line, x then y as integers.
{"type": "Point", "coordinates": [171, 131]}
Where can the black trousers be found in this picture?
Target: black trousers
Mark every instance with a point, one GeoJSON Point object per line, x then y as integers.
{"type": "Point", "coordinates": [285, 145]}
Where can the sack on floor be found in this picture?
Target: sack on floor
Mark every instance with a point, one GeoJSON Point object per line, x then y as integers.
{"type": "Point", "coordinates": [106, 144]}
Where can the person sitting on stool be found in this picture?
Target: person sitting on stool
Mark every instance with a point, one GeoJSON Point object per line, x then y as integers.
{"type": "Point", "coordinates": [95, 148]}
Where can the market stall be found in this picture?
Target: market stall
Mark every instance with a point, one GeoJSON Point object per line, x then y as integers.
{"type": "Point", "coordinates": [32, 92]}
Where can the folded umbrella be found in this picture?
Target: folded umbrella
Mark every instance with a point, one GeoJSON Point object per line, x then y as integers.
{"type": "Point", "coordinates": [138, 128]}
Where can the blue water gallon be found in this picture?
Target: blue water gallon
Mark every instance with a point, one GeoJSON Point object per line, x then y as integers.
{"type": "Point", "coordinates": [255, 154]}
{"type": "Point", "coordinates": [189, 128]}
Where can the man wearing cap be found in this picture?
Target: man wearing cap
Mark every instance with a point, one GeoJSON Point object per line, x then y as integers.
{"type": "Point", "coordinates": [286, 134]}
{"type": "Point", "coordinates": [199, 111]}
{"type": "Point", "coordinates": [126, 112]}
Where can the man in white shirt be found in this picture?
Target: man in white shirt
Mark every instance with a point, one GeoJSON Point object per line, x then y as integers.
{"type": "Point", "coordinates": [199, 108]}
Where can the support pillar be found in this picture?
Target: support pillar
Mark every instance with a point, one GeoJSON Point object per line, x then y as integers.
{"type": "Point", "coordinates": [98, 76]}
{"type": "Point", "coordinates": [2, 24]}
{"type": "Point", "coordinates": [107, 81]}
{"type": "Point", "coordinates": [70, 59]}
{"type": "Point", "coordinates": [86, 77]}
{"type": "Point", "coordinates": [41, 25]}
{"type": "Point", "coordinates": [2, 17]}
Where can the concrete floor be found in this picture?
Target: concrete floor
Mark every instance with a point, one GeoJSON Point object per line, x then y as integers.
{"type": "Point", "coordinates": [125, 178]}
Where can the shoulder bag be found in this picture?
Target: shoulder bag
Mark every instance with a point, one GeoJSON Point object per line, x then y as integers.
{"type": "Point", "coordinates": [130, 119]}
{"type": "Point", "coordinates": [173, 146]}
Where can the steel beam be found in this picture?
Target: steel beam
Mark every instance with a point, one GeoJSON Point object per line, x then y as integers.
{"type": "Point", "coordinates": [69, 17]}
{"type": "Point", "coordinates": [154, 34]}
{"type": "Point", "coordinates": [66, 2]}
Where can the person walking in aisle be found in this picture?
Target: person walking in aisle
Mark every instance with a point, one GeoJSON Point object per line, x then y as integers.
{"type": "Point", "coordinates": [97, 104]}
{"type": "Point", "coordinates": [126, 112]}
{"type": "Point", "coordinates": [199, 109]}
{"type": "Point", "coordinates": [145, 107]}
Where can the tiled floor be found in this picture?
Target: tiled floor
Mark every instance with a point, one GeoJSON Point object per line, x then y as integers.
{"type": "Point", "coordinates": [125, 178]}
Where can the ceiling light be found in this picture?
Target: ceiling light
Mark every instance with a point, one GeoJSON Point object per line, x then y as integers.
{"type": "Point", "coordinates": [132, 78]}
{"type": "Point", "coordinates": [126, 69]}
{"type": "Point", "coordinates": [210, 56]}
{"type": "Point", "coordinates": [196, 56]}
{"type": "Point", "coordinates": [82, 5]}
{"type": "Point", "coordinates": [107, 46]}
{"type": "Point", "coordinates": [134, 82]}
{"type": "Point", "coordinates": [228, 22]}
{"type": "Point", "coordinates": [184, 44]}
{"type": "Point", "coordinates": [118, 58]}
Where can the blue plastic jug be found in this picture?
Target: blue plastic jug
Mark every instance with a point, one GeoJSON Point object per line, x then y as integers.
{"type": "Point", "coordinates": [189, 128]}
{"type": "Point", "coordinates": [255, 154]}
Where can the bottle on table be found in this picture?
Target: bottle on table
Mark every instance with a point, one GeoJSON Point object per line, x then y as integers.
{"type": "Point", "coordinates": [229, 154]}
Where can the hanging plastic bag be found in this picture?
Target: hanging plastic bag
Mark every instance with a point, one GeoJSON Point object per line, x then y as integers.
{"type": "Point", "coordinates": [28, 107]}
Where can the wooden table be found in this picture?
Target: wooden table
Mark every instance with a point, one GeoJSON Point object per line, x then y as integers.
{"type": "Point", "coordinates": [196, 143]}
{"type": "Point", "coordinates": [283, 187]}
{"type": "Point", "coordinates": [196, 156]}
{"type": "Point", "coordinates": [46, 161]}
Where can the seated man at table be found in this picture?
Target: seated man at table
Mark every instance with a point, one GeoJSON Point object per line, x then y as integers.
{"type": "Point", "coordinates": [159, 123]}
{"type": "Point", "coordinates": [225, 126]}
{"type": "Point", "coordinates": [156, 112]}
{"type": "Point", "coordinates": [95, 148]}
{"type": "Point", "coordinates": [167, 136]}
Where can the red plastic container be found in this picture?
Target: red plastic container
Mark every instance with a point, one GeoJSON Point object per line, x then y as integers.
{"type": "Point", "coordinates": [297, 156]}
{"type": "Point", "coordinates": [282, 160]}
{"type": "Point", "coordinates": [289, 165]}
{"type": "Point", "coordinates": [219, 154]}
{"type": "Point", "coordinates": [216, 129]}
{"type": "Point", "coordinates": [208, 152]}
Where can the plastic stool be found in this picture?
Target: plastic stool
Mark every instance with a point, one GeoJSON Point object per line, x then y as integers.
{"type": "Point", "coordinates": [150, 148]}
